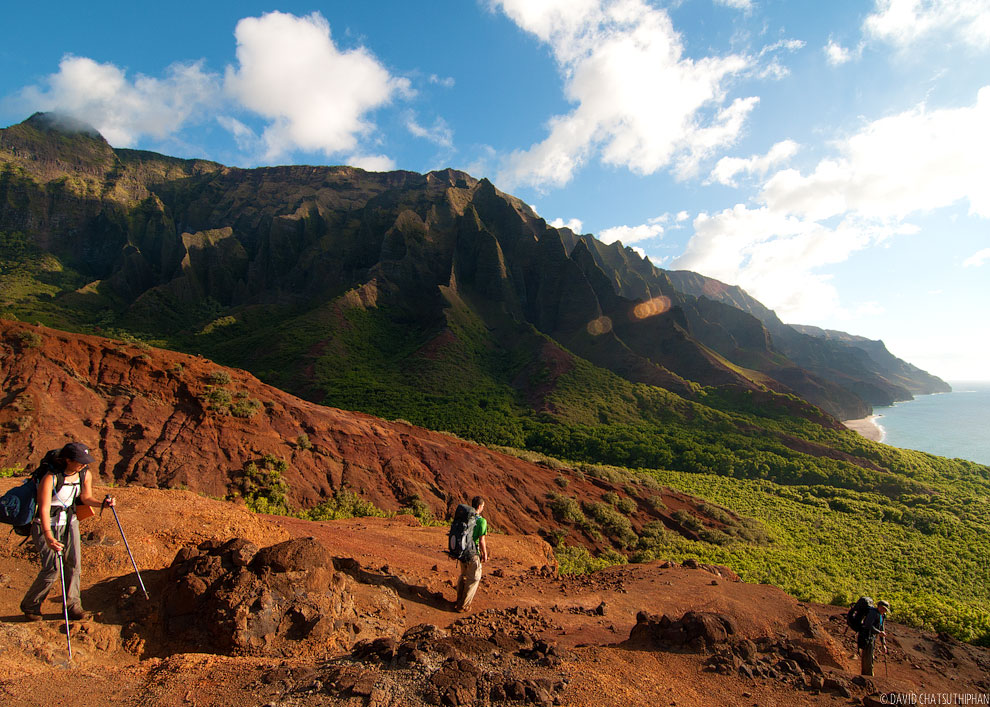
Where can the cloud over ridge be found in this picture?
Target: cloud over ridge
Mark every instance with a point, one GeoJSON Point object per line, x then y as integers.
{"type": "Point", "coordinates": [912, 163]}
{"type": "Point", "coordinates": [639, 102]}
{"type": "Point", "coordinates": [316, 96]}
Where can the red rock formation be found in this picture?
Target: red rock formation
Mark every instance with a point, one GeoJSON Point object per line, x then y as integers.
{"type": "Point", "coordinates": [145, 413]}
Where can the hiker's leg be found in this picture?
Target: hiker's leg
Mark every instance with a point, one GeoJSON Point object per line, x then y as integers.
{"type": "Point", "coordinates": [31, 603]}
{"type": "Point", "coordinates": [73, 564]}
{"type": "Point", "coordinates": [867, 662]}
{"type": "Point", "coordinates": [461, 584]}
{"type": "Point", "coordinates": [473, 578]}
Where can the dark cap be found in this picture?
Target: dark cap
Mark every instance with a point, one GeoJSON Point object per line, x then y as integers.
{"type": "Point", "coordinates": [77, 452]}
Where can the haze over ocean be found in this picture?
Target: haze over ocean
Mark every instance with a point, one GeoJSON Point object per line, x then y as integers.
{"type": "Point", "coordinates": [955, 424]}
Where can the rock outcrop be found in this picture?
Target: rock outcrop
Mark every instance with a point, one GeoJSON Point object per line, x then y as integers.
{"type": "Point", "coordinates": [235, 598]}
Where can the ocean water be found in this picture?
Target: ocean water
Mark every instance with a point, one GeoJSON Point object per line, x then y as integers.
{"type": "Point", "coordinates": [955, 424]}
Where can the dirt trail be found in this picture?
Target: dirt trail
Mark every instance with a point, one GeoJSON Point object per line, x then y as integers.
{"type": "Point", "coordinates": [394, 567]}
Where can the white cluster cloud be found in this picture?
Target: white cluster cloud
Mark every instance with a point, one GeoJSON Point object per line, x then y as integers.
{"type": "Point", "coordinates": [633, 234]}
{"type": "Point", "coordinates": [124, 110]}
{"type": "Point", "coordinates": [314, 96]}
{"type": "Point", "coordinates": [977, 259]}
{"type": "Point", "coordinates": [575, 224]}
{"type": "Point", "coordinates": [439, 133]}
{"type": "Point", "coordinates": [640, 103]}
{"type": "Point", "coordinates": [836, 54]}
{"type": "Point", "coordinates": [727, 168]}
{"type": "Point", "coordinates": [905, 164]}
{"type": "Point", "coordinates": [736, 4]}
{"type": "Point", "coordinates": [317, 97]}
{"type": "Point", "coordinates": [904, 22]}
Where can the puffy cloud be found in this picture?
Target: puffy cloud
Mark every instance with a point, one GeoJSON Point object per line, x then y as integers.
{"type": "Point", "coordinates": [633, 234]}
{"type": "Point", "coordinates": [372, 163]}
{"type": "Point", "coordinates": [904, 22]}
{"type": "Point", "coordinates": [836, 54]}
{"type": "Point", "coordinates": [914, 162]}
{"type": "Point", "coordinates": [639, 102]}
{"type": "Point", "coordinates": [977, 259]}
{"type": "Point", "coordinates": [317, 96]}
{"type": "Point", "coordinates": [444, 81]}
{"type": "Point", "coordinates": [736, 4]}
{"type": "Point", "coordinates": [124, 110]}
{"type": "Point", "coordinates": [918, 160]}
{"type": "Point", "coordinates": [727, 168]}
{"type": "Point", "coordinates": [575, 224]}
{"type": "Point", "coordinates": [439, 133]}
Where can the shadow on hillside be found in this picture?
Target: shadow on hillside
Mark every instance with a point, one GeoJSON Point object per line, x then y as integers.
{"type": "Point", "coordinates": [383, 578]}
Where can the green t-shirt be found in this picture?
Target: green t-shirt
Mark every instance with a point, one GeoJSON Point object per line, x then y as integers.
{"type": "Point", "coordinates": [480, 529]}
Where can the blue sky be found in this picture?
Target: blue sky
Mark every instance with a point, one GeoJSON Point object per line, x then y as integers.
{"type": "Point", "coordinates": [831, 158]}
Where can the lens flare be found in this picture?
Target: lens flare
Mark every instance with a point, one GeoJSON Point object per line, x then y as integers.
{"type": "Point", "coordinates": [651, 308]}
{"type": "Point", "coordinates": [597, 327]}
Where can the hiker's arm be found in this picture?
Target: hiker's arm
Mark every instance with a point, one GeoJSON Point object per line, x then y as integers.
{"type": "Point", "coordinates": [483, 546]}
{"type": "Point", "coordinates": [89, 499]}
{"type": "Point", "coordinates": [45, 511]}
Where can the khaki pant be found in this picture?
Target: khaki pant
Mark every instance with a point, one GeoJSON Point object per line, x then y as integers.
{"type": "Point", "coordinates": [467, 584]}
{"type": "Point", "coordinates": [866, 662]}
{"type": "Point", "coordinates": [68, 535]}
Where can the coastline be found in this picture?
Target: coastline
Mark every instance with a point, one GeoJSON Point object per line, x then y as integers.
{"type": "Point", "coordinates": [868, 427]}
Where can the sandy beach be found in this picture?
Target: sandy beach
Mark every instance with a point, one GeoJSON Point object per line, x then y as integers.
{"type": "Point", "coordinates": [867, 426]}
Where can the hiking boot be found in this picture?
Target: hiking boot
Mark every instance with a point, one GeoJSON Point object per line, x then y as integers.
{"type": "Point", "coordinates": [33, 616]}
{"type": "Point", "coordinates": [76, 613]}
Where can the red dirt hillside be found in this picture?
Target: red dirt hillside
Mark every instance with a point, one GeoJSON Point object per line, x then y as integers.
{"type": "Point", "coordinates": [145, 414]}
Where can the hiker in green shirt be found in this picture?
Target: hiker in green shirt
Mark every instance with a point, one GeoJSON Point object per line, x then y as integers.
{"type": "Point", "coordinates": [467, 584]}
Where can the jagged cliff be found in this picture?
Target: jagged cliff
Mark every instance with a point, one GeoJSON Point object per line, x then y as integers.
{"type": "Point", "coordinates": [269, 269]}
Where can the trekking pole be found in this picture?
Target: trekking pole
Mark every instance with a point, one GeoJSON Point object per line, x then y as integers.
{"type": "Point", "coordinates": [128, 547]}
{"type": "Point", "coordinates": [65, 603]}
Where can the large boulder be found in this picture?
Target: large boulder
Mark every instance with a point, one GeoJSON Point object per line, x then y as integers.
{"type": "Point", "coordinates": [235, 598]}
{"type": "Point", "coordinates": [694, 631]}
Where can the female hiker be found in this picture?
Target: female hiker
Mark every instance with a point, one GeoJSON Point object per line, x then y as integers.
{"type": "Point", "coordinates": [55, 530]}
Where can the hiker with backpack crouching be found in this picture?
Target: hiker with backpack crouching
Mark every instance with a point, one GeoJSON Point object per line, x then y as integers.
{"type": "Point", "coordinates": [872, 627]}
{"type": "Point", "coordinates": [467, 544]}
{"type": "Point", "coordinates": [63, 484]}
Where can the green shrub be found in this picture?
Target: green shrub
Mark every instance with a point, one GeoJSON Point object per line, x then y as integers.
{"type": "Point", "coordinates": [415, 506]}
{"type": "Point", "coordinates": [343, 504]}
{"type": "Point", "coordinates": [611, 497]}
{"type": "Point", "coordinates": [562, 481]}
{"type": "Point", "coordinates": [656, 503]}
{"type": "Point", "coordinates": [687, 520]}
{"type": "Point", "coordinates": [219, 378]}
{"type": "Point", "coordinates": [302, 441]}
{"type": "Point", "coordinates": [29, 339]}
{"type": "Point", "coordinates": [245, 408]}
{"type": "Point", "coordinates": [218, 400]}
{"type": "Point", "coordinates": [614, 525]}
{"type": "Point", "coordinates": [263, 488]}
{"type": "Point", "coordinates": [577, 560]}
{"type": "Point", "coordinates": [627, 505]}
{"type": "Point", "coordinates": [566, 509]}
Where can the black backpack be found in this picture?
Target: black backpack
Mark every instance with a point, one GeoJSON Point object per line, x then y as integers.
{"type": "Point", "coordinates": [857, 613]}
{"type": "Point", "coordinates": [19, 505]}
{"type": "Point", "coordinates": [460, 539]}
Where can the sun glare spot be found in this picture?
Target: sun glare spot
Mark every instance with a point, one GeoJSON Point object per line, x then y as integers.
{"type": "Point", "coordinates": [651, 308]}
{"type": "Point", "coordinates": [597, 327]}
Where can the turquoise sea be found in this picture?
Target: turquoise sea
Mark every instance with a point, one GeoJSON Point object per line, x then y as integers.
{"type": "Point", "coordinates": [955, 424]}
